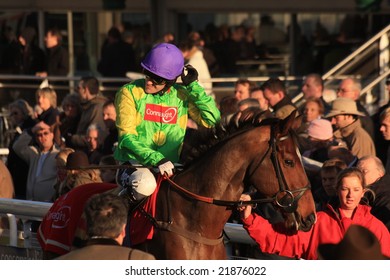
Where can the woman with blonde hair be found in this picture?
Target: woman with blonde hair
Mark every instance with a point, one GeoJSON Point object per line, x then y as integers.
{"type": "Point", "coordinates": [331, 225]}
{"type": "Point", "coordinates": [46, 99]}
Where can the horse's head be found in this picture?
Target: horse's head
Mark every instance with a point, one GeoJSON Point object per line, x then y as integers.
{"type": "Point", "coordinates": [279, 173]}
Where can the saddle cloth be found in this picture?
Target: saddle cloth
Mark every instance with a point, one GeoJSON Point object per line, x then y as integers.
{"type": "Point", "coordinates": [141, 228]}
{"type": "Point", "coordinates": [58, 227]}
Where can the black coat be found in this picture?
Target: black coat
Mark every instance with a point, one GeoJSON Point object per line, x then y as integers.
{"type": "Point", "coordinates": [381, 145]}
{"type": "Point", "coordinates": [366, 120]}
{"type": "Point", "coordinates": [381, 204]}
{"type": "Point", "coordinates": [110, 141]}
{"type": "Point", "coordinates": [117, 59]}
{"type": "Point", "coordinates": [49, 116]}
{"type": "Point", "coordinates": [57, 61]}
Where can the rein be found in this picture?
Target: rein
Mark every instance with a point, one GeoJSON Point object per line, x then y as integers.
{"type": "Point", "coordinates": [231, 203]}
{"type": "Point", "coordinates": [210, 200]}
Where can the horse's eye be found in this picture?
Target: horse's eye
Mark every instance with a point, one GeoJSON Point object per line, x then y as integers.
{"type": "Point", "coordinates": [289, 163]}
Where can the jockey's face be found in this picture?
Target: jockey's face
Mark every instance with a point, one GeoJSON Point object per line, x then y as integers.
{"type": "Point", "coordinates": [153, 83]}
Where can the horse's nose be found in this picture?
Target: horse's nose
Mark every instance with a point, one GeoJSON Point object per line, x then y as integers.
{"type": "Point", "coordinates": [306, 224]}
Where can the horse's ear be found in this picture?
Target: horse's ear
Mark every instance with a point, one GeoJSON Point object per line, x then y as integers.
{"type": "Point", "coordinates": [298, 121]}
{"type": "Point", "coordinates": [293, 121]}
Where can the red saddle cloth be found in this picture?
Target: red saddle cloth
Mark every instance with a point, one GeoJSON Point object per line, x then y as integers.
{"type": "Point", "coordinates": [141, 228]}
{"type": "Point", "coordinates": [58, 227]}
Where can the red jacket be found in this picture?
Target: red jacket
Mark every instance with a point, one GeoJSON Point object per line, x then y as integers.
{"type": "Point", "coordinates": [329, 228]}
{"type": "Point", "coordinates": [58, 227]}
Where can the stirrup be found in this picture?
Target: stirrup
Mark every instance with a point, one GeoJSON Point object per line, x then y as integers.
{"type": "Point", "coordinates": [128, 194]}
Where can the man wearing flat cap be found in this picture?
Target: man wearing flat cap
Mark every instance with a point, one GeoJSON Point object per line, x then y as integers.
{"type": "Point", "coordinates": [344, 115]}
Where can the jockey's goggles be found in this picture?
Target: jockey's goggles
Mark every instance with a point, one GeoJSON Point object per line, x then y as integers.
{"type": "Point", "coordinates": [156, 80]}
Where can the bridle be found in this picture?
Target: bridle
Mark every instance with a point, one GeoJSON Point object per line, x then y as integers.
{"type": "Point", "coordinates": [286, 199]}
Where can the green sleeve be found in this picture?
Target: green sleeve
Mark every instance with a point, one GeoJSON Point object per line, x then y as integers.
{"type": "Point", "coordinates": [202, 107]}
{"type": "Point", "coordinates": [142, 153]}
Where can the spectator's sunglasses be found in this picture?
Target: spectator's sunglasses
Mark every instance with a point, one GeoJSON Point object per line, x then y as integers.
{"type": "Point", "coordinates": [156, 80]}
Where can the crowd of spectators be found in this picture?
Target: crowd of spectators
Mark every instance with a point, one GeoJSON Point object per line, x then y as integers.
{"type": "Point", "coordinates": [50, 149]}
{"type": "Point", "coordinates": [222, 47]}
{"type": "Point", "coordinates": [333, 136]}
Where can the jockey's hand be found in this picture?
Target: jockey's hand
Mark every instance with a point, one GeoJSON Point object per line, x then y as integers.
{"type": "Point", "coordinates": [166, 167]}
{"type": "Point", "coordinates": [192, 75]}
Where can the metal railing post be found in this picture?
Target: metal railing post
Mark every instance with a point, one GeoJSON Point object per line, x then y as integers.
{"type": "Point", "coordinates": [13, 230]}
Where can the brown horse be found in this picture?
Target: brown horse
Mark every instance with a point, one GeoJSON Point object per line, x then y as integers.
{"type": "Point", "coordinates": [193, 209]}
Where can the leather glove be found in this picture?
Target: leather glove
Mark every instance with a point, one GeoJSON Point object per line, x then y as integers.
{"type": "Point", "coordinates": [192, 75]}
{"type": "Point", "coordinates": [166, 167]}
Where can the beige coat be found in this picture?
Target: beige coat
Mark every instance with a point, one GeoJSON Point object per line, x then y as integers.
{"type": "Point", "coordinates": [106, 252]}
{"type": "Point", "coordinates": [358, 140]}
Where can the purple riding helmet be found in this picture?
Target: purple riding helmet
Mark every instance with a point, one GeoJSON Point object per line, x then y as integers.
{"type": "Point", "coordinates": [164, 60]}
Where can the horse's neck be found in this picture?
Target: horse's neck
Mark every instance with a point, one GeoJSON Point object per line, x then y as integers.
{"type": "Point", "coordinates": [220, 172]}
{"type": "Point", "coordinates": [214, 176]}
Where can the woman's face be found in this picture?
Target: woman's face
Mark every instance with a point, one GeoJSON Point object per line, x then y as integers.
{"type": "Point", "coordinates": [350, 192]}
{"type": "Point", "coordinates": [312, 111]}
{"type": "Point", "coordinates": [44, 102]}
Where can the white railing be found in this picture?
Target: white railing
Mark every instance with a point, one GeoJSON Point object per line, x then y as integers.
{"type": "Point", "coordinates": [336, 73]}
{"type": "Point", "coordinates": [26, 211]}
{"type": "Point", "coordinates": [353, 55]}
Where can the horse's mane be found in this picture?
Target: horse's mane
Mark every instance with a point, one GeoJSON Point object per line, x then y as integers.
{"type": "Point", "coordinates": [199, 141]}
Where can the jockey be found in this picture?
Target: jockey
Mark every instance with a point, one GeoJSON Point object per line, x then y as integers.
{"type": "Point", "coordinates": [152, 115]}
